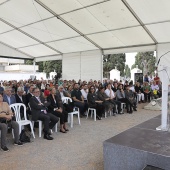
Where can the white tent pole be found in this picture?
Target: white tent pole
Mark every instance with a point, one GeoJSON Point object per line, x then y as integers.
{"type": "Point", "coordinates": [102, 67]}
{"type": "Point", "coordinates": [34, 67]}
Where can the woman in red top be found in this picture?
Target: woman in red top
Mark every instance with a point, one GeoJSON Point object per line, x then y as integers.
{"type": "Point", "coordinates": [47, 91]}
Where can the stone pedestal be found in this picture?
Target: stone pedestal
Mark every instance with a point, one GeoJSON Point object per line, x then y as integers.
{"type": "Point", "coordinates": [138, 147]}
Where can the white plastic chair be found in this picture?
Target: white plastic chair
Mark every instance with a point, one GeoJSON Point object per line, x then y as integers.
{"type": "Point", "coordinates": [75, 111]}
{"type": "Point", "coordinates": [123, 106]}
{"type": "Point", "coordinates": [93, 112]}
{"type": "Point", "coordinates": [40, 125]}
{"type": "Point", "coordinates": [108, 112]}
{"type": "Point", "coordinates": [16, 108]}
{"type": "Point", "coordinates": [39, 122]}
{"type": "Point", "coordinates": [70, 116]}
{"type": "Point", "coordinates": [66, 100]}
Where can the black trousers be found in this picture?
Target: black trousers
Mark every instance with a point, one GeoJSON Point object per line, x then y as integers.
{"type": "Point", "coordinates": [118, 103]}
{"type": "Point", "coordinates": [82, 106]}
{"type": "Point", "coordinates": [147, 95]}
{"type": "Point", "coordinates": [49, 121]}
{"type": "Point", "coordinates": [63, 116]}
{"type": "Point", "coordinates": [99, 109]}
{"type": "Point", "coordinates": [128, 103]}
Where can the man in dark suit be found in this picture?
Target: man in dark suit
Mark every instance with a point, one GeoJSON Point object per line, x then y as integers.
{"type": "Point", "coordinates": [20, 98]}
{"type": "Point", "coordinates": [78, 99]}
{"type": "Point", "coordinates": [39, 112]}
{"type": "Point", "coordinates": [29, 95]}
{"type": "Point", "coordinates": [8, 97]}
{"type": "Point", "coordinates": [129, 95]}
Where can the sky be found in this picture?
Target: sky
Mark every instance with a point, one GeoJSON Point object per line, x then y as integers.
{"type": "Point", "coordinates": [130, 59]}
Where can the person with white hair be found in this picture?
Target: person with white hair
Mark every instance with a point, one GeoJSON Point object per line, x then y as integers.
{"type": "Point", "coordinates": [20, 97]}
{"type": "Point", "coordinates": [8, 96]}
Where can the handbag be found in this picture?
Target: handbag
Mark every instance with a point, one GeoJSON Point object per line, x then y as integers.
{"type": "Point", "coordinates": [24, 137]}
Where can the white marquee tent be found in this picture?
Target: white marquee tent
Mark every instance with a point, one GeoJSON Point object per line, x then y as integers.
{"type": "Point", "coordinates": [80, 31]}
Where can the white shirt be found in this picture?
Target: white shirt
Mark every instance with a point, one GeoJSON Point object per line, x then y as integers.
{"type": "Point", "coordinates": [110, 93]}
{"type": "Point", "coordinates": [20, 97]}
{"type": "Point", "coordinates": [150, 79]}
{"type": "Point", "coordinates": [132, 88]}
{"type": "Point", "coordinates": [42, 86]}
{"type": "Point", "coordinates": [154, 87]}
{"type": "Point", "coordinates": [61, 94]}
{"type": "Point", "coordinates": [84, 93]}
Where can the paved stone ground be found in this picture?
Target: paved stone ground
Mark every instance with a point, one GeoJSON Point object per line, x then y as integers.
{"type": "Point", "coordinates": [80, 149]}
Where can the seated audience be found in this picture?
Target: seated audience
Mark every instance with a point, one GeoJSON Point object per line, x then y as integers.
{"type": "Point", "coordinates": [120, 94]}
{"type": "Point", "coordinates": [39, 112]}
{"type": "Point", "coordinates": [147, 91]}
{"type": "Point", "coordinates": [108, 104]}
{"type": "Point", "coordinates": [129, 95]}
{"type": "Point", "coordinates": [79, 100]}
{"type": "Point", "coordinates": [47, 91]}
{"type": "Point", "coordinates": [6, 119]}
{"type": "Point", "coordinates": [57, 110]}
{"type": "Point", "coordinates": [139, 93]}
{"type": "Point", "coordinates": [155, 90]}
{"type": "Point", "coordinates": [115, 88]}
{"type": "Point", "coordinates": [94, 102]}
{"type": "Point", "coordinates": [19, 96]}
{"type": "Point", "coordinates": [109, 92]}
{"type": "Point", "coordinates": [1, 88]}
{"type": "Point", "coordinates": [156, 79]}
{"type": "Point", "coordinates": [69, 91]}
{"type": "Point", "coordinates": [60, 94]}
{"type": "Point", "coordinates": [8, 96]}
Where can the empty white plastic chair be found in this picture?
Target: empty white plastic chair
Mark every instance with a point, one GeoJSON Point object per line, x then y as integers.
{"type": "Point", "coordinates": [93, 112]}
{"type": "Point", "coordinates": [24, 121]}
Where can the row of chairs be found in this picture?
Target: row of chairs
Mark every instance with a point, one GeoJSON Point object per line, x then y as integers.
{"type": "Point", "coordinates": [24, 121]}
{"type": "Point", "coordinates": [93, 111]}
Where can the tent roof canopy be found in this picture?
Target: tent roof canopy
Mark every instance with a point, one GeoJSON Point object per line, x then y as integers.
{"type": "Point", "coordinates": [42, 28]}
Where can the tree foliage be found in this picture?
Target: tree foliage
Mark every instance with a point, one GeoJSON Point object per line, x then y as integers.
{"type": "Point", "coordinates": [145, 61]}
{"type": "Point", "coordinates": [48, 66]}
{"type": "Point", "coordinates": [40, 64]}
{"type": "Point", "coordinates": [113, 60]}
{"type": "Point", "coordinates": [127, 71]}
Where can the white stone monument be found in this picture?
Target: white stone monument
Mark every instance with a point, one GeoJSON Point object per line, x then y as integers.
{"type": "Point", "coordinates": [115, 74]}
{"type": "Point", "coordinates": [52, 74]}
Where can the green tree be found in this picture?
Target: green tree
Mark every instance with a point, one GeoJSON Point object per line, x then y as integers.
{"type": "Point", "coordinates": [47, 66]}
{"type": "Point", "coordinates": [145, 61]}
{"type": "Point", "coordinates": [40, 64]}
{"type": "Point", "coordinates": [29, 62]}
{"type": "Point", "coordinates": [113, 60]}
{"type": "Point", "coordinates": [50, 66]}
{"type": "Point", "coordinates": [127, 71]}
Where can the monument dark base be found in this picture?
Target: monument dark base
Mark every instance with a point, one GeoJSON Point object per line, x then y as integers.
{"type": "Point", "coordinates": [138, 147]}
